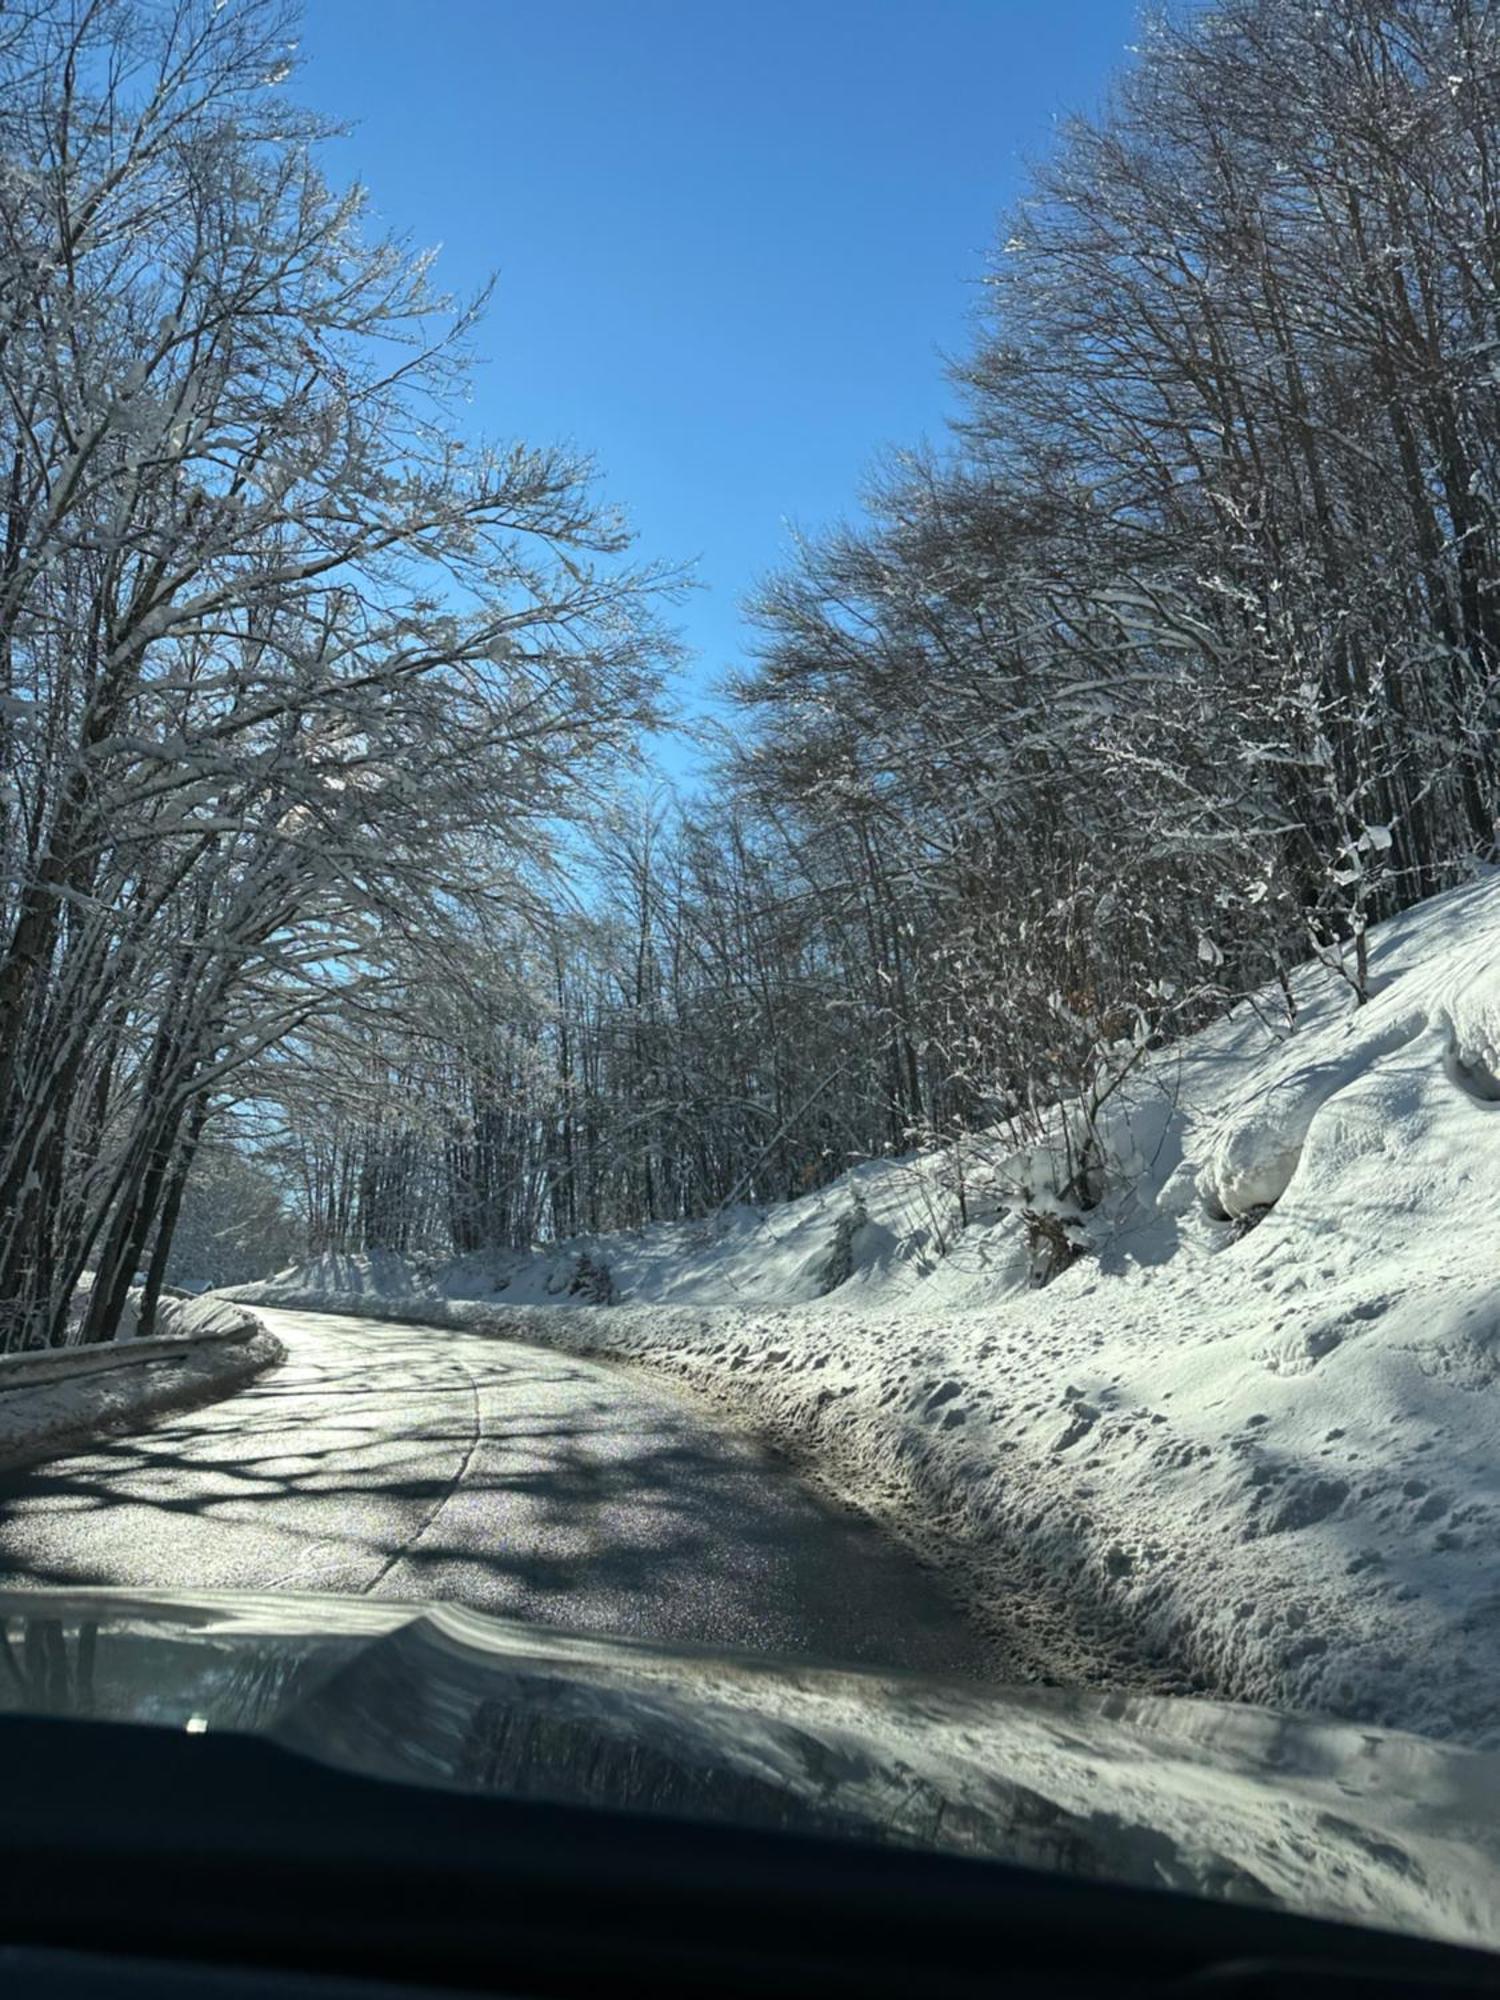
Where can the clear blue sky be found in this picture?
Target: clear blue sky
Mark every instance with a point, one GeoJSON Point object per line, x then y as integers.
{"type": "Point", "coordinates": [733, 237]}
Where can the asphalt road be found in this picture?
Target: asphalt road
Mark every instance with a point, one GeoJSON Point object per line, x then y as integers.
{"type": "Point", "coordinates": [411, 1463]}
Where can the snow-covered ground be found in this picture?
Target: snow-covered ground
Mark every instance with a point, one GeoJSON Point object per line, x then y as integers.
{"type": "Point", "coordinates": [55, 1399]}
{"type": "Point", "coordinates": [1253, 1431]}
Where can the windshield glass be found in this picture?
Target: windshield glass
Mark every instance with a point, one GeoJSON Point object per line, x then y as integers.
{"type": "Point", "coordinates": [749, 935]}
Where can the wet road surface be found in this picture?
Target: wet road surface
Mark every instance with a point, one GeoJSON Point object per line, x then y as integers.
{"type": "Point", "coordinates": [414, 1463]}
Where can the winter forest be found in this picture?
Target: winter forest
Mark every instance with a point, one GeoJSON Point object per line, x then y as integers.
{"type": "Point", "coordinates": [343, 907]}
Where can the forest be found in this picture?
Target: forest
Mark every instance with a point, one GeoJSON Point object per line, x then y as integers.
{"type": "Point", "coordinates": [343, 906]}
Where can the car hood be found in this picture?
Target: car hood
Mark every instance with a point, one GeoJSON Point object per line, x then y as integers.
{"type": "Point", "coordinates": [1226, 1802]}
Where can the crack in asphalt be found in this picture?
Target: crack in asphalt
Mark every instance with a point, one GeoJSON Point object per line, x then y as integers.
{"type": "Point", "coordinates": [398, 1556]}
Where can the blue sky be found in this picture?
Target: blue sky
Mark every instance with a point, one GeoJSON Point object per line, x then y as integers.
{"type": "Point", "coordinates": [733, 238]}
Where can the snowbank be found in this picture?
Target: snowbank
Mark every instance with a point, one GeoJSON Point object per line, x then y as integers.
{"type": "Point", "coordinates": [53, 1400]}
{"type": "Point", "coordinates": [1256, 1429]}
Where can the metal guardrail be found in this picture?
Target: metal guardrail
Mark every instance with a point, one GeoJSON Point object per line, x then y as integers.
{"type": "Point", "coordinates": [69, 1364]}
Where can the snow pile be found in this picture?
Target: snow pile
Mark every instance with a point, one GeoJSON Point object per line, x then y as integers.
{"type": "Point", "coordinates": [743, 1256]}
{"type": "Point", "coordinates": [1255, 1430]}
{"type": "Point", "coordinates": [54, 1399]}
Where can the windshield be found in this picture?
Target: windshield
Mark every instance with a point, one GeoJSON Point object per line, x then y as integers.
{"type": "Point", "coordinates": [748, 931]}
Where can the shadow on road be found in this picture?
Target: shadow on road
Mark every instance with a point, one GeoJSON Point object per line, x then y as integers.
{"type": "Point", "coordinates": [424, 1463]}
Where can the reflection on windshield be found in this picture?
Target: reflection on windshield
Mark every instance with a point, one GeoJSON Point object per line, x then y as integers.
{"type": "Point", "coordinates": [1223, 1802]}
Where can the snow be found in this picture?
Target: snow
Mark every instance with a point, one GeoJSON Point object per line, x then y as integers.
{"type": "Point", "coordinates": [54, 1399]}
{"type": "Point", "coordinates": [1253, 1433]}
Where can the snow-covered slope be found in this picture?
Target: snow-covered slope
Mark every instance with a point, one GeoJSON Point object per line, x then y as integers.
{"type": "Point", "coordinates": [1256, 1427]}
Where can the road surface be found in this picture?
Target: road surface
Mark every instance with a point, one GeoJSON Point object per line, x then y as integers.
{"type": "Point", "coordinates": [411, 1463]}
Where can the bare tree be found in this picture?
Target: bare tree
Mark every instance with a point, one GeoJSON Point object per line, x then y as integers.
{"type": "Point", "coordinates": [284, 666]}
